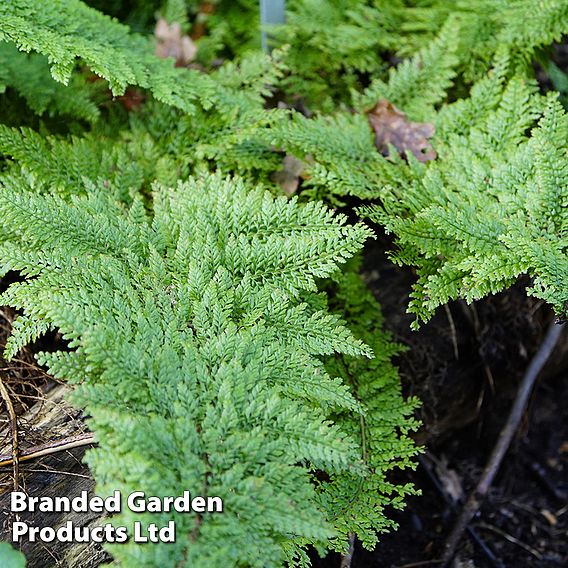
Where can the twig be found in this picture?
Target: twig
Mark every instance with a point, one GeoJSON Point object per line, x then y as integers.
{"type": "Point", "coordinates": [452, 505]}
{"type": "Point", "coordinates": [505, 437]}
{"type": "Point", "coordinates": [57, 472]}
{"type": "Point", "coordinates": [14, 430]}
{"type": "Point", "coordinates": [453, 330]}
{"type": "Point", "coordinates": [512, 539]}
{"type": "Point", "coordinates": [49, 448]}
{"type": "Point", "coordinates": [347, 558]}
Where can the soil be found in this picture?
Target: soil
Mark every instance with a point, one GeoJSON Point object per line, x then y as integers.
{"type": "Point", "coordinates": [465, 366]}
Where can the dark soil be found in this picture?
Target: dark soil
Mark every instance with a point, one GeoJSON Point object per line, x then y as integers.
{"type": "Point", "coordinates": [466, 375]}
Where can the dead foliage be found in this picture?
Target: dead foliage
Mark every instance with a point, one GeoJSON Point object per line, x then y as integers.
{"type": "Point", "coordinates": [392, 127]}
{"type": "Point", "coordinates": [288, 178]}
{"type": "Point", "coordinates": [171, 43]}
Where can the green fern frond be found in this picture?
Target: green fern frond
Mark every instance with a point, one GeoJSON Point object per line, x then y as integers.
{"type": "Point", "coordinates": [198, 338]}
{"type": "Point", "coordinates": [29, 76]}
{"type": "Point", "coordinates": [68, 29]}
{"type": "Point", "coordinates": [492, 206]}
{"type": "Point", "coordinates": [417, 84]}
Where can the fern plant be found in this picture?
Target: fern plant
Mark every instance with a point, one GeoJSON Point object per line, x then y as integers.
{"type": "Point", "coordinates": [197, 335]}
{"type": "Point", "coordinates": [28, 76]}
{"type": "Point", "coordinates": [488, 209]}
{"type": "Point", "coordinates": [493, 206]}
{"type": "Point", "coordinates": [338, 46]}
{"type": "Point", "coordinates": [198, 341]}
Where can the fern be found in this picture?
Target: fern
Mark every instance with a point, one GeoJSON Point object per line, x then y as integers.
{"type": "Point", "coordinates": [419, 83]}
{"type": "Point", "coordinates": [493, 206]}
{"type": "Point", "coordinates": [489, 30]}
{"type": "Point", "coordinates": [197, 334]}
{"type": "Point", "coordinates": [333, 43]}
{"type": "Point", "coordinates": [68, 29]}
{"type": "Point", "coordinates": [375, 384]}
{"type": "Point", "coordinates": [337, 46]}
{"type": "Point", "coordinates": [59, 165]}
{"type": "Point", "coordinates": [227, 137]}
{"type": "Point", "coordinates": [198, 342]}
{"type": "Point", "coordinates": [28, 75]}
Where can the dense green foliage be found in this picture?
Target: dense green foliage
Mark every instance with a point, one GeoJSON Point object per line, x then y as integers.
{"type": "Point", "coordinates": [198, 340]}
{"type": "Point", "coordinates": [65, 30]}
{"type": "Point", "coordinates": [140, 208]}
{"type": "Point", "coordinates": [493, 206]}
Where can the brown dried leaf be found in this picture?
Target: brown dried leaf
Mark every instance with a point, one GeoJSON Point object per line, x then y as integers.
{"type": "Point", "coordinates": [200, 26]}
{"type": "Point", "coordinates": [288, 178]}
{"type": "Point", "coordinates": [172, 44]}
{"type": "Point", "coordinates": [449, 479]}
{"type": "Point", "coordinates": [392, 127]}
{"type": "Point", "coordinates": [132, 99]}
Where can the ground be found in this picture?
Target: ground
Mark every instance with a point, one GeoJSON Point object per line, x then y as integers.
{"type": "Point", "coordinates": [466, 371]}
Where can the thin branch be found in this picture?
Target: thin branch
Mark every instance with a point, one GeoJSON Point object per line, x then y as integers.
{"type": "Point", "coordinates": [512, 539]}
{"type": "Point", "coordinates": [505, 437]}
{"type": "Point", "coordinates": [14, 430]}
{"type": "Point", "coordinates": [347, 558]}
{"type": "Point", "coordinates": [50, 448]}
{"type": "Point", "coordinates": [494, 561]}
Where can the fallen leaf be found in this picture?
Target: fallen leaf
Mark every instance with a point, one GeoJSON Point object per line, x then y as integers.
{"type": "Point", "coordinates": [449, 479]}
{"type": "Point", "coordinates": [288, 178]}
{"type": "Point", "coordinates": [200, 26]}
{"type": "Point", "coordinates": [132, 99]}
{"type": "Point", "coordinates": [172, 44]}
{"type": "Point", "coordinates": [391, 126]}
